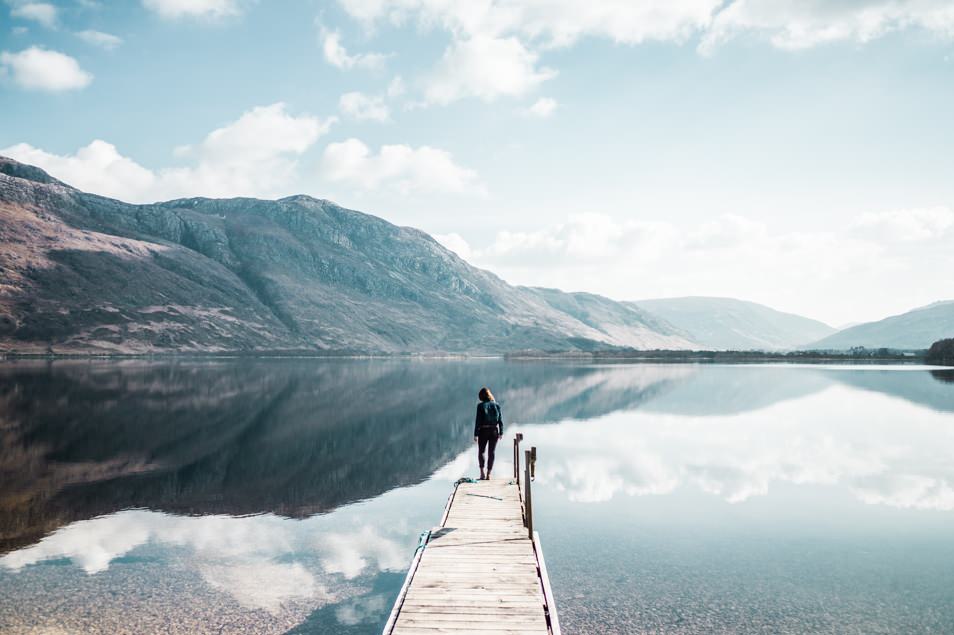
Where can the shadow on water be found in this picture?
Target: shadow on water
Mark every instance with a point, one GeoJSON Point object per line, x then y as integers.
{"type": "Point", "coordinates": [299, 437]}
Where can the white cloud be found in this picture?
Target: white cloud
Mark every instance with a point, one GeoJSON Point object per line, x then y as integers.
{"type": "Point", "coordinates": [364, 107]}
{"type": "Point", "coordinates": [587, 238]}
{"type": "Point", "coordinates": [40, 69]}
{"type": "Point", "coordinates": [907, 225]}
{"type": "Point", "coordinates": [627, 258]}
{"type": "Point", "coordinates": [724, 232]}
{"type": "Point", "coordinates": [543, 107]}
{"type": "Point", "coordinates": [41, 12]}
{"type": "Point", "coordinates": [400, 167]}
{"type": "Point", "coordinates": [484, 67]}
{"type": "Point", "coordinates": [172, 9]}
{"type": "Point", "coordinates": [396, 88]}
{"type": "Point", "coordinates": [255, 155]}
{"type": "Point", "coordinates": [337, 55]}
{"type": "Point", "coordinates": [455, 242]}
{"type": "Point", "coordinates": [97, 167]}
{"type": "Point", "coordinates": [558, 22]}
{"type": "Point", "coordinates": [792, 24]}
{"type": "Point", "coordinates": [563, 22]}
{"type": "Point", "coordinates": [789, 24]}
{"type": "Point", "coordinates": [106, 41]}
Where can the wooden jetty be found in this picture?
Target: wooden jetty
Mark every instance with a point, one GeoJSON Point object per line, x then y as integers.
{"type": "Point", "coordinates": [481, 571]}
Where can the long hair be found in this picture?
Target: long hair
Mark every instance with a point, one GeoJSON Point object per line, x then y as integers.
{"type": "Point", "coordinates": [485, 394]}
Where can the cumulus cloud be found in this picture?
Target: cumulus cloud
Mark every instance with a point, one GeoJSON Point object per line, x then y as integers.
{"type": "Point", "coordinates": [456, 243]}
{"type": "Point", "coordinates": [487, 68]}
{"type": "Point", "coordinates": [40, 12]}
{"type": "Point", "coordinates": [907, 225]}
{"type": "Point", "coordinates": [625, 257]}
{"type": "Point", "coordinates": [507, 34]}
{"type": "Point", "coordinates": [173, 9]}
{"type": "Point", "coordinates": [786, 23]}
{"type": "Point", "coordinates": [337, 55]}
{"type": "Point", "coordinates": [563, 22]}
{"type": "Point", "coordinates": [559, 22]}
{"type": "Point", "coordinates": [791, 24]}
{"type": "Point", "coordinates": [41, 69]}
{"type": "Point", "coordinates": [363, 107]}
{"type": "Point", "coordinates": [583, 238]}
{"type": "Point", "coordinates": [97, 167]}
{"type": "Point", "coordinates": [399, 167]}
{"type": "Point", "coordinates": [543, 107]}
{"type": "Point", "coordinates": [255, 155]}
{"type": "Point", "coordinates": [106, 41]}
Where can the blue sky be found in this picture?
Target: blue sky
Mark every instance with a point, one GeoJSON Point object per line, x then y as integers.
{"type": "Point", "coordinates": [792, 153]}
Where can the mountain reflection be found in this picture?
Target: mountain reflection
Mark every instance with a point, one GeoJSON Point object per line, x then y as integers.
{"type": "Point", "coordinates": [298, 437]}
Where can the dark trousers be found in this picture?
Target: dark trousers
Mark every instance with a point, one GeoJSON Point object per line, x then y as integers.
{"type": "Point", "coordinates": [486, 439]}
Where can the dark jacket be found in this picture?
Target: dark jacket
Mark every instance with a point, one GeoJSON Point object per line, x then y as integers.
{"type": "Point", "coordinates": [488, 418]}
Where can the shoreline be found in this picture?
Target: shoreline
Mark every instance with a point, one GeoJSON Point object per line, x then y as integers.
{"type": "Point", "coordinates": [863, 357]}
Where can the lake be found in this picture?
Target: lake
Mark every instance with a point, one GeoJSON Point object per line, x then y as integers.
{"type": "Point", "coordinates": [287, 495]}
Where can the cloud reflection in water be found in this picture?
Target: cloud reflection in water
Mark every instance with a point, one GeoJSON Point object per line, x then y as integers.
{"type": "Point", "coordinates": [264, 562]}
{"type": "Point", "coordinates": [874, 447]}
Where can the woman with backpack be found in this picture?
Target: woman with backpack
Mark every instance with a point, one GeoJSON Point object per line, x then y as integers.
{"type": "Point", "coordinates": [488, 429]}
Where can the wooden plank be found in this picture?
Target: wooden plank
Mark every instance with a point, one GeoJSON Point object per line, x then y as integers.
{"type": "Point", "coordinates": [479, 571]}
{"type": "Point", "coordinates": [552, 617]}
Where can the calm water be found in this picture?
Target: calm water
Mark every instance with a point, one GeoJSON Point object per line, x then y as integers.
{"type": "Point", "coordinates": [288, 495]}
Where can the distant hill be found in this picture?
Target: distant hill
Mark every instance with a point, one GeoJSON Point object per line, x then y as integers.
{"type": "Point", "coordinates": [627, 324]}
{"type": "Point", "coordinates": [82, 273]}
{"type": "Point", "coordinates": [916, 329]}
{"type": "Point", "coordinates": [729, 324]}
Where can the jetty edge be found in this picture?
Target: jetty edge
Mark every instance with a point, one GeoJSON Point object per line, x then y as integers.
{"type": "Point", "coordinates": [481, 571]}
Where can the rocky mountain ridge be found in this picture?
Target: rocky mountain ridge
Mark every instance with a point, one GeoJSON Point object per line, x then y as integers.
{"type": "Point", "coordinates": [81, 273]}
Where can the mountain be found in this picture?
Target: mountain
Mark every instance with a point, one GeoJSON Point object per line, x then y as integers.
{"type": "Point", "coordinates": [82, 273]}
{"type": "Point", "coordinates": [726, 323]}
{"type": "Point", "coordinates": [916, 329]}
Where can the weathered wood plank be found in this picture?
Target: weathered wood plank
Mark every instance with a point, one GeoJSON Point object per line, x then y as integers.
{"type": "Point", "coordinates": [478, 573]}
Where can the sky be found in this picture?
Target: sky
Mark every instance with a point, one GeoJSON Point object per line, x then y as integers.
{"type": "Point", "coordinates": [796, 153]}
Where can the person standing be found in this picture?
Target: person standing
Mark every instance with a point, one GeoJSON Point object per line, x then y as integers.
{"type": "Point", "coordinates": [488, 429]}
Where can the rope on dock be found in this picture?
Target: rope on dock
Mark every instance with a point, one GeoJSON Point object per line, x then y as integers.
{"type": "Point", "coordinates": [422, 541]}
{"type": "Point", "coordinates": [496, 498]}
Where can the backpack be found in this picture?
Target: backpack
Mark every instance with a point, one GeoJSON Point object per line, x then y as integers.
{"type": "Point", "coordinates": [491, 413]}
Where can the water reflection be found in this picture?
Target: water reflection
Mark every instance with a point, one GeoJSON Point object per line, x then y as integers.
{"type": "Point", "coordinates": [127, 486]}
{"type": "Point", "coordinates": [270, 573]}
{"type": "Point", "coordinates": [294, 437]}
{"type": "Point", "coordinates": [945, 376]}
{"type": "Point", "coordinates": [826, 440]}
